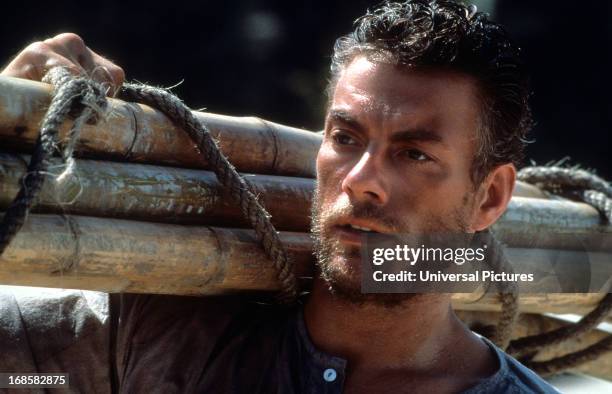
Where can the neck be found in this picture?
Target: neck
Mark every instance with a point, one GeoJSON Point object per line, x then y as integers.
{"type": "Point", "coordinates": [411, 335]}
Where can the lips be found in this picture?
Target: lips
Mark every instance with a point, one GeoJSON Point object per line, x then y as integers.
{"type": "Point", "coordinates": [366, 229]}
{"type": "Point", "coordinates": [352, 233]}
{"type": "Point", "coordinates": [367, 226]}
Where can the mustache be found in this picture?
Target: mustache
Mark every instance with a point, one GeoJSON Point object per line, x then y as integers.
{"type": "Point", "coordinates": [361, 210]}
{"type": "Point", "coordinates": [366, 211]}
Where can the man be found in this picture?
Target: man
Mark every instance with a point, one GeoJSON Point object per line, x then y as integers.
{"type": "Point", "coordinates": [427, 115]}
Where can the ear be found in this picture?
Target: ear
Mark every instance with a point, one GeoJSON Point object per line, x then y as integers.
{"type": "Point", "coordinates": [493, 196]}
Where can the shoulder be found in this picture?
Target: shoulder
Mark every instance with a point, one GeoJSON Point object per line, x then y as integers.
{"type": "Point", "coordinates": [46, 330]}
{"type": "Point", "coordinates": [63, 314]}
{"type": "Point", "coordinates": [173, 342]}
{"type": "Point", "coordinates": [146, 318]}
{"type": "Point", "coordinates": [511, 377]}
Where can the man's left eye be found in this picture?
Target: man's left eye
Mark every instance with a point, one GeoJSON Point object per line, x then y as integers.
{"type": "Point", "coordinates": [417, 155]}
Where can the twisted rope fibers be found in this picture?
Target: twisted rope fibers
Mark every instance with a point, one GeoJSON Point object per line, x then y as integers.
{"type": "Point", "coordinates": [508, 294]}
{"type": "Point", "coordinates": [266, 234]}
{"type": "Point", "coordinates": [571, 360]}
{"type": "Point", "coordinates": [587, 187]}
{"type": "Point", "coordinates": [72, 94]}
{"type": "Point", "coordinates": [526, 345]}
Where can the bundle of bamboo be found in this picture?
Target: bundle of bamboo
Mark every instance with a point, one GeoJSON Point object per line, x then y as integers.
{"type": "Point", "coordinates": [146, 216]}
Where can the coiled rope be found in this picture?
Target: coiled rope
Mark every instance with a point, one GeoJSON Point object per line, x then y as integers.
{"type": "Point", "coordinates": [587, 187]}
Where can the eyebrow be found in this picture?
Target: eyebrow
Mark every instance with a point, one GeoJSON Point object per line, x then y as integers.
{"type": "Point", "coordinates": [342, 116]}
{"type": "Point", "coordinates": [419, 134]}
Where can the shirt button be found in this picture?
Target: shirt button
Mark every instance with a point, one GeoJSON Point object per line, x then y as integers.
{"type": "Point", "coordinates": [329, 375]}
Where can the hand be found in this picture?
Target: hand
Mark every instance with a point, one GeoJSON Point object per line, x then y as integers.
{"type": "Point", "coordinates": [66, 50]}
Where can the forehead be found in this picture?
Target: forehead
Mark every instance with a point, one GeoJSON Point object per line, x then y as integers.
{"type": "Point", "coordinates": [399, 97]}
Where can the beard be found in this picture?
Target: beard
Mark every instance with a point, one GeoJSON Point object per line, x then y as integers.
{"type": "Point", "coordinates": [336, 262]}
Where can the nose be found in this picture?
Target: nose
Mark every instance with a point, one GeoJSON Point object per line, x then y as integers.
{"type": "Point", "coordinates": [364, 182]}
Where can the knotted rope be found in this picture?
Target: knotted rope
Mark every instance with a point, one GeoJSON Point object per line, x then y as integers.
{"type": "Point", "coordinates": [584, 186]}
{"type": "Point", "coordinates": [72, 95]}
{"type": "Point", "coordinates": [85, 97]}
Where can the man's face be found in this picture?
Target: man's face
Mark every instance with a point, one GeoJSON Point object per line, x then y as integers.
{"type": "Point", "coordinates": [395, 158]}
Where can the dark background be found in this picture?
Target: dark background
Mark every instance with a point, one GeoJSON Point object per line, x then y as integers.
{"type": "Point", "coordinates": [270, 58]}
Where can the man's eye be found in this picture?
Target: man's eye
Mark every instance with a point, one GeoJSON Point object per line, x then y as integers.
{"type": "Point", "coordinates": [416, 155]}
{"type": "Point", "coordinates": [344, 139]}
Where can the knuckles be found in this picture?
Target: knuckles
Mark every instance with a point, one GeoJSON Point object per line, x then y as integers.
{"type": "Point", "coordinates": [68, 40]}
{"type": "Point", "coordinates": [117, 74]}
{"type": "Point", "coordinates": [36, 52]}
{"type": "Point", "coordinates": [40, 56]}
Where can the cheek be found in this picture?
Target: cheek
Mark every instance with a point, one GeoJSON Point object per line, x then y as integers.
{"type": "Point", "coordinates": [329, 167]}
{"type": "Point", "coordinates": [427, 193]}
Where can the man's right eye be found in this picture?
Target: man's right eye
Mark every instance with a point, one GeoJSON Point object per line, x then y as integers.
{"type": "Point", "coordinates": [342, 138]}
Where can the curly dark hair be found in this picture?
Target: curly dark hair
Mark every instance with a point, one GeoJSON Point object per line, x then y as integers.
{"type": "Point", "coordinates": [437, 33]}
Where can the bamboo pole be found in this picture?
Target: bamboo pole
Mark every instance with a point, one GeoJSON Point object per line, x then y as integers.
{"type": "Point", "coordinates": [116, 255]}
{"type": "Point", "coordinates": [156, 193]}
{"type": "Point", "coordinates": [134, 132]}
{"type": "Point", "coordinates": [166, 194]}
{"type": "Point", "coordinates": [127, 256]}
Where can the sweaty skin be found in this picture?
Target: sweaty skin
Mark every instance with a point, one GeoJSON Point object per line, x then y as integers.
{"type": "Point", "coordinates": [395, 157]}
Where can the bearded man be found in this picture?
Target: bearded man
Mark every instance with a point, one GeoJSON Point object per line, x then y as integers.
{"type": "Point", "coordinates": [426, 119]}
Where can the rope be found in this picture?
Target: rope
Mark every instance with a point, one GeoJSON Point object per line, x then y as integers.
{"type": "Point", "coordinates": [587, 187]}
{"type": "Point", "coordinates": [571, 360]}
{"type": "Point", "coordinates": [72, 94]}
{"type": "Point", "coordinates": [555, 178]}
{"type": "Point", "coordinates": [266, 234]}
{"type": "Point", "coordinates": [526, 345]}
{"type": "Point", "coordinates": [85, 97]}
{"type": "Point", "coordinates": [507, 319]}
{"type": "Point", "coordinates": [508, 294]}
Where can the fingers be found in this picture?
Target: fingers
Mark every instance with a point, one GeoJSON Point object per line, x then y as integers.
{"type": "Point", "coordinates": [72, 47]}
{"type": "Point", "coordinates": [95, 66]}
{"type": "Point", "coordinates": [67, 50]}
{"type": "Point", "coordinates": [105, 71]}
{"type": "Point", "coordinates": [35, 60]}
